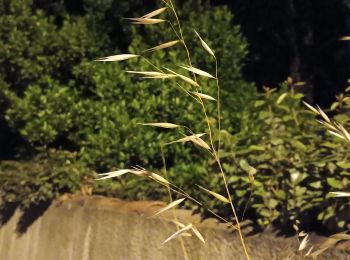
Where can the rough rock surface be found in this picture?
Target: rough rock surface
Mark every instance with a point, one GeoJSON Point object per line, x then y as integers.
{"type": "Point", "coordinates": [98, 228]}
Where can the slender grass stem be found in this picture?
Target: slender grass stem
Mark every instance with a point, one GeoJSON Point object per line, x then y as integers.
{"type": "Point", "coordinates": [171, 200]}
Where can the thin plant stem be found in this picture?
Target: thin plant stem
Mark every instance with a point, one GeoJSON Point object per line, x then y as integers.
{"type": "Point", "coordinates": [217, 159]}
{"type": "Point", "coordinates": [218, 107]}
{"type": "Point", "coordinates": [171, 200]}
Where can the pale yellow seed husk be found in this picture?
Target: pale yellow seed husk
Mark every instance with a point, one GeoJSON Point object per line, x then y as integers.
{"type": "Point", "coordinates": [169, 206]}
{"type": "Point", "coordinates": [198, 71]}
{"type": "Point", "coordinates": [145, 21]}
{"type": "Point", "coordinates": [176, 234]}
{"type": "Point", "coordinates": [216, 195]}
{"type": "Point", "coordinates": [204, 96]}
{"type": "Point", "coordinates": [205, 45]}
{"type": "Point", "coordinates": [119, 57]}
{"type": "Point", "coordinates": [184, 78]}
{"type": "Point", "coordinates": [311, 108]}
{"type": "Point", "coordinates": [163, 46]}
{"type": "Point", "coordinates": [155, 12]}
{"type": "Point", "coordinates": [198, 234]}
{"type": "Point", "coordinates": [340, 194]}
{"type": "Point", "coordinates": [162, 125]}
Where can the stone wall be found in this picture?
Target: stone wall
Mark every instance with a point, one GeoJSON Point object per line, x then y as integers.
{"type": "Point", "coordinates": [98, 228]}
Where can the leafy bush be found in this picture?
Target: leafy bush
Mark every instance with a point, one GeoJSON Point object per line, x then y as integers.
{"type": "Point", "coordinates": [297, 164]}
{"type": "Point", "coordinates": [41, 180]}
{"type": "Point", "coordinates": [97, 110]}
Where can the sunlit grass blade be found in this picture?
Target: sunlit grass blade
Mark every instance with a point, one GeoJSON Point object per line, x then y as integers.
{"type": "Point", "coordinates": [204, 96]}
{"type": "Point", "coordinates": [329, 126]}
{"type": "Point", "coordinates": [146, 73]}
{"type": "Point", "coordinates": [323, 114]}
{"type": "Point", "coordinates": [176, 234]}
{"type": "Point", "coordinates": [336, 134]}
{"type": "Point", "coordinates": [169, 206]}
{"type": "Point", "coordinates": [185, 234]}
{"type": "Point", "coordinates": [186, 139]}
{"type": "Point", "coordinates": [304, 242]}
{"type": "Point", "coordinates": [178, 223]}
{"type": "Point", "coordinates": [118, 57]}
{"type": "Point", "coordinates": [343, 131]}
{"type": "Point", "coordinates": [193, 138]}
{"type": "Point", "coordinates": [145, 21]}
{"type": "Point", "coordinates": [198, 234]}
{"type": "Point", "coordinates": [163, 46]}
{"type": "Point", "coordinates": [162, 125]}
{"type": "Point", "coordinates": [164, 76]}
{"type": "Point", "coordinates": [309, 251]}
{"type": "Point", "coordinates": [340, 194]}
{"type": "Point", "coordinates": [155, 13]}
{"type": "Point", "coordinates": [216, 195]}
{"type": "Point", "coordinates": [113, 174]}
{"type": "Point", "coordinates": [311, 108]}
{"type": "Point", "coordinates": [198, 71]}
{"type": "Point", "coordinates": [184, 78]}
{"type": "Point", "coordinates": [204, 44]}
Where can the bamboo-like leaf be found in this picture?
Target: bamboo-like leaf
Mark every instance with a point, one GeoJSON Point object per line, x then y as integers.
{"type": "Point", "coordinates": [113, 174]}
{"type": "Point", "coordinates": [203, 96]}
{"type": "Point", "coordinates": [162, 46]}
{"type": "Point", "coordinates": [304, 242]}
{"type": "Point", "coordinates": [311, 108]}
{"type": "Point", "coordinates": [159, 178]}
{"type": "Point", "coordinates": [145, 21]}
{"type": "Point", "coordinates": [169, 206]}
{"type": "Point", "coordinates": [281, 98]}
{"type": "Point", "coordinates": [205, 45]}
{"type": "Point", "coordinates": [176, 234]}
{"type": "Point", "coordinates": [340, 194]}
{"type": "Point", "coordinates": [162, 125]}
{"type": "Point", "coordinates": [198, 71]}
{"type": "Point", "coordinates": [216, 195]}
{"type": "Point", "coordinates": [118, 57]}
{"type": "Point", "coordinates": [198, 234]}
{"type": "Point", "coordinates": [345, 38]}
{"type": "Point", "coordinates": [155, 12]}
{"type": "Point", "coordinates": [184, 78]}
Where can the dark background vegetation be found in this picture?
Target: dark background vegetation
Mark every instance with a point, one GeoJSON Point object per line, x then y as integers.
{"type": "Point", "coordinates": [62, 115]}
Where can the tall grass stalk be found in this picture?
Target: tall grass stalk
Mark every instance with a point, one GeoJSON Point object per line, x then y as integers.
{"type": "Point", "coordinates": [214, 151]}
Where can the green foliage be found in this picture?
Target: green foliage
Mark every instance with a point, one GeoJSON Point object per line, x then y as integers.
{"type": "Point", "coordinates": [43, 179]}
{"type": "Point", "coordinates": [297, 164]}
{"type": "Point", "coordinates": [98, 108]}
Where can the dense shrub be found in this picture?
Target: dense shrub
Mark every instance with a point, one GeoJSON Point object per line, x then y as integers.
{"type": "Point", "coordinates": [96, 111]}
{"type": "Point", "coordinates": [41, 180]}
{"type": "Point", "coordinates": [297, 164]}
